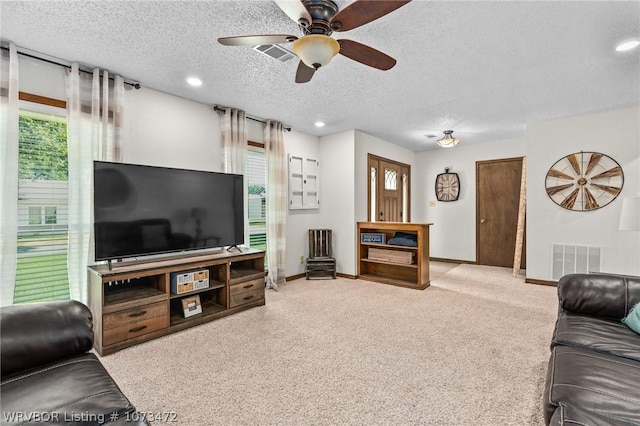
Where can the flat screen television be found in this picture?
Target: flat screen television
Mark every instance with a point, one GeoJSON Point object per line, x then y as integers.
{"type": "Point", "coordinates": [142, 210]}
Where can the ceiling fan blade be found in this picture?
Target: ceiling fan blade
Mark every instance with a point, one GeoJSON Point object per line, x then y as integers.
{"type": "Point", "coordinates": [366, 55]}
{"type": "Point", "coordinates": [361, 12]}
{"type": "Point", "coordinates": [304, 73]}
{"type": "Point", "coordinates": [254, 40]}
{"type": "Point", "coordinates": [295, 10]}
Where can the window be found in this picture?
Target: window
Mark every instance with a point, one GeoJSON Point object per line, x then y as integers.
{"type": "Point", "coordinates": [256, 182]}
{"type": "Point", "coordinates": [34, 215]}
{"type": "Point", "coordinates": [43, 188]}
{"type": "Point", "coordinates": [50, 215]}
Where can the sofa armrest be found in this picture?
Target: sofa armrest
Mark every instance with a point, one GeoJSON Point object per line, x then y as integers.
{"type": "Point", "coordinates": [40, 333]}
{"type": "Point", "coordinates": [601, 295]}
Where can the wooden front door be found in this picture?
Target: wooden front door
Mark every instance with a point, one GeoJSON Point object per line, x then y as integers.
{"type": "Point", "coordinates": [497, 201]}
{"type": "Point", "coordinates": [390, 184]}
{"type": "Point", "coordinates": [388, 190]}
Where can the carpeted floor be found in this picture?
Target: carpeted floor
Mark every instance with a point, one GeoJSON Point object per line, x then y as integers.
{"type": "Point", "coordinates": [469, 350]}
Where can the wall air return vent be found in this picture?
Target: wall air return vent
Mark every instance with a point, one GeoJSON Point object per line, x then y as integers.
{"type": "Point", "coordinates": [570, 259]}
{"type": "Point", "coordinates": [274, 51]}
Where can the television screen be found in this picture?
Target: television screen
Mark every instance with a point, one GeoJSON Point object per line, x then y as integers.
{"type": "Point", "coordinates": [140, 210]}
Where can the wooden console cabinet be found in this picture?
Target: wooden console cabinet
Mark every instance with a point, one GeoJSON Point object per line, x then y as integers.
{"type": "Point", "coordinates": [412, 275]}
{"type": "Point", "coordinates": [133, 302]}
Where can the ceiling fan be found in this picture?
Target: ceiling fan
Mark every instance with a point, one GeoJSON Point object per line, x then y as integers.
{"type": "Point", "coordinates": [318, 19]}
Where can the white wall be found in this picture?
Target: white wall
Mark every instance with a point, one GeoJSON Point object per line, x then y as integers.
{"type": "Point", "coordinates": [614, 133]}
{"type": "Point", "coordinates": [453, 233]}
{"type": "Point", "coordinates": [300, 221]}
{"type": "Point", "coordinates": [337, 195]}
{"type": "Point", "coordinates": [41, 78]}
{"type": "Point", "coordinates": [164, 130]}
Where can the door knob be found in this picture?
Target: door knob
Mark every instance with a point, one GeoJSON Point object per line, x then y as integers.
{"type": "Point", "coordinates": [483, 220]}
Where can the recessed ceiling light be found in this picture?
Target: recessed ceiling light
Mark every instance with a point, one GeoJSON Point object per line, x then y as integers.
{"type": "Point", "coordinates": [319, 123]}
{"type": "Point", "coordinates": [194, 81]}
{"type": "Point", "coordinates": [627, 45]}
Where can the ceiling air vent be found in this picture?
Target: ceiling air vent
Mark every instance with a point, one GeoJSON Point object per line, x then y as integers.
{"type": "Point", "coordinates": [274, 51]}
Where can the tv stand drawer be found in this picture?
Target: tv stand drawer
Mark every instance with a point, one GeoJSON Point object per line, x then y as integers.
{"type": "Point", "coordinates": [130, 316]}
{"type": "Point", "coordinates": [246, 297]}
{"type": "Point", "coordinates": [135, 329]}
{"type": "Point", "coordinates": [246, 286]}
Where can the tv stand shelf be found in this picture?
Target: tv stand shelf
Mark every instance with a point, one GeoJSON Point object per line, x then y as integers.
{"type": "Point", "coordinates": [410, 275]}
{"type": "Point", "coordinates": [212, 286]}
{"type": "Point", "coordinates": [132, 302]}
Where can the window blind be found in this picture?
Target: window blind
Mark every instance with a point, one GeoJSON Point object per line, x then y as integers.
{"type": "Point", "coordinates": [43, 193]}
{"type": "Point", "coordinates": [256, 182]}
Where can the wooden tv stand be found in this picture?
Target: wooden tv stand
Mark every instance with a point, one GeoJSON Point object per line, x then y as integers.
{"type": "Point", "coordinates": [132, 302]}
{"type": "Point", "coordinates": [413, 274]}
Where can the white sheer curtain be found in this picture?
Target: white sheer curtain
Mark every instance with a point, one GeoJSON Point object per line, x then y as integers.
{"type": "Point", "coordinates": [94, 117]}
{"type": "Point", "coordinates": [276, 203]}
{"type": "Point", "coordinates": [9, 173]}
{"type": "Point", "coordinates": [234, 141]}
{"type": "Point", "coordinates": [234, 151]}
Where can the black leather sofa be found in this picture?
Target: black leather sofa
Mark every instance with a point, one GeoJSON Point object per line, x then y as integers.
{"type": "Point", "coordinates": [593, 376]}
{"type": "Point", "coordinates": [48, 374]}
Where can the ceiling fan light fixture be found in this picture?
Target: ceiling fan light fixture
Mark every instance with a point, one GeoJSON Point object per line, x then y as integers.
{"type": "Point", "coordinates": [316, 50]}
{"type": "Point", "coordinates": [448, 141]}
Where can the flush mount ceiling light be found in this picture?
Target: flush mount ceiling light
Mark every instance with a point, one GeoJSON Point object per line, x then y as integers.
{"type": "Point", "coordinates": [319, 123]}
{"type": "Point", "coordinates": [316, 50]}
{"type": "Point", "coordinates": [194, 81]}
{"type": "Point", "coordinates": [448, 141]}
{"type": "Point", "coordinates": [627, 45]}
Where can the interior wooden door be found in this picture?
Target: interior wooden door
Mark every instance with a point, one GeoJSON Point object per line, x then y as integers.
{"type": "Point", "coordinates": [497, 202]}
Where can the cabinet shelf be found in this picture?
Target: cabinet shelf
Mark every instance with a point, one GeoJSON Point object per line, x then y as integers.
{"type": "Point", "coordinates": [240, 274]}
{"type": "Point", "coordinates": [208, 308]}
{"type": "Point", "coordinates": [126, 297]}
{"type": "Point", "coordinates": [390, 246]}
{"type": "Point", "coordinates": [212, 286]}
{"type": "Point", "coordinates": [388, 279]}
{"type": "Point", "coordinates": [386, 262]}
{"type": "Point", "coordinates": [412, 275]}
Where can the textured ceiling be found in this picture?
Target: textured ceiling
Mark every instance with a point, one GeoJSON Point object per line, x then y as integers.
{"type": "Point", "coordinates": [484, 69]}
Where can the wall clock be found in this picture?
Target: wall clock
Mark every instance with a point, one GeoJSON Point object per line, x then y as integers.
{"type": "Point", "coordinates": [584, 181]}
{"type": "Point", "coordinates": [447, 186]}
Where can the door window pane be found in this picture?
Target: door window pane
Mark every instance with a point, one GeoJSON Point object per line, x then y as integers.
{"type": "Point", "coordinates": [390, 180]}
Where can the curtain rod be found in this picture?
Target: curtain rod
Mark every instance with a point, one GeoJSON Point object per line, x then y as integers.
{"type": "Point", "coordinates": [82, 68]}
{"type": "Point", "coordinates": [259, 120]}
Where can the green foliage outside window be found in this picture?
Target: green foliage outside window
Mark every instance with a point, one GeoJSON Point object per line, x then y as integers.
{"type": "Point", "coordinates": [43, 149]}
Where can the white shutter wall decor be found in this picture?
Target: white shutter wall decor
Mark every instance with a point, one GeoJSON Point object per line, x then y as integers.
{"type": "Point", "coordinates": [303, 183]}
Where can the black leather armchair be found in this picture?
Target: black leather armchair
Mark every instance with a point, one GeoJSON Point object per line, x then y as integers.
{"type": "Point", "coordinates": [593, 378]}
{"type": "Point", "coordinates": [48, 374]}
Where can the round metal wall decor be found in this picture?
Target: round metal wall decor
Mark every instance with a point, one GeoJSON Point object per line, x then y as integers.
{"type": "Point", "coordinates": [584, 181]}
